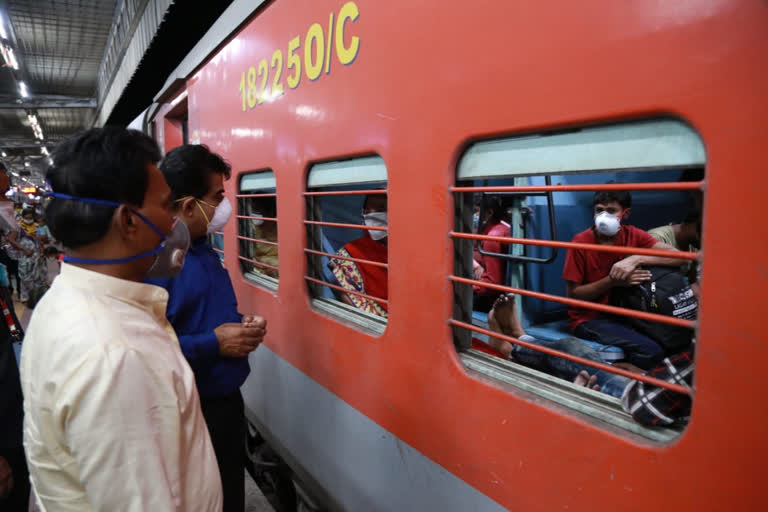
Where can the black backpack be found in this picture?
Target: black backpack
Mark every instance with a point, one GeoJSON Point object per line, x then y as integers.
{"type": "Point", "coordinates": [667, 293]}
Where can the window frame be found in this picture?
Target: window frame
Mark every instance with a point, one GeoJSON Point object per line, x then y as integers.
{"type": "Point", "coordinates": [333, 184]}
{"type": "Point", "coordinates": [244, 240]}
{"type": "Point", "coordinates": [515, 377]}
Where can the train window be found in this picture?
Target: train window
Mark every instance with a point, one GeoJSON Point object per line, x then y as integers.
{"type": "Point", "coordinates": [257, 228]}
{"type": "Point", "coordinates": [553, 277]}
{"type": "Point", "coordinates": [347, 241]}
{"type": "Point", "coordinates": [216, 240]}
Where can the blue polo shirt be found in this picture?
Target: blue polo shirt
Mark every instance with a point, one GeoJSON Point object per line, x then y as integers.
{"type": "Point", "coordinates": [201, 298]}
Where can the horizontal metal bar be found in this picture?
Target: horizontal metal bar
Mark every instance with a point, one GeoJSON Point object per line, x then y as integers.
{"type": "Point", "coordinates": [245, 196]}
{"type": "Point", "coordinates": [274, 219]}
{"type": "Point", "coordinates": [339, 225]}
{"type": "Point", "coordinates": [356, 260]}
{"type": "Point", "coordinates": [217, 250]}
{"type": "Point", "coordinates": [594, 364]}
{"type": "Point", "coordinates": [341, 289]}
{"type": "Point", "coordinates": [258, 263]}
{"type": "Point", "coordinates": [596, 306]}
{"type": "Point", "coordinates": [678, 255]}
{"type": "Point", "coordinates": [346, 193]}
{"type": "Point", "coordinates": [684, 185]}
{"type": "Point", "coordinates": [218, 233]}
{"type": "Point", "coordinates": [256, 240]}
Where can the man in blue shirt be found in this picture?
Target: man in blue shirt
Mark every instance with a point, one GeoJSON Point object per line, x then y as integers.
{"type": "Point", "coordinates": [215, 338]}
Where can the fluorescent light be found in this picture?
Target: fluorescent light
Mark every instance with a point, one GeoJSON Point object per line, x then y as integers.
{"type": "Point", "coordinates": [3, 33]}
{"type": "Point", "coordinates": [44, 150]}
{"type": "Point", "coordinates": [4, 154]}
{"type": "Point", "coordinates": [26, 164]}
{"type": "Point", "coordinates": [23, 90]}
{"type": "Point", "coordinates": [15, 174]}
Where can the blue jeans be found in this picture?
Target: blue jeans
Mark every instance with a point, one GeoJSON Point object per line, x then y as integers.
{"type": "Point", "coordinates": [565, 369]}
{"type": "Point", "coordinates": [640, 350]}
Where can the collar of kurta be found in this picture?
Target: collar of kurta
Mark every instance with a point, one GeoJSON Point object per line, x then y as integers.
{"type": "Point", "coordinates": [148, 296]}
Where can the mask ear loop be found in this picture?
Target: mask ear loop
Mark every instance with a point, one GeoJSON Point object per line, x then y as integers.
{"type": "Point", "coordinates": [197, 202]}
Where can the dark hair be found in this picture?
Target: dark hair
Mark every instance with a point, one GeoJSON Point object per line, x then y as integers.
{"type": "Point", "coordinates": [493, 203]}
{"type": "Point", "coordinates": [267, 206]}
{"type": "Point", "coordinates": [28, 211]}
{"type": "Point", "coordinates": [186, 169]}
{"type": "Point", "coordinates": [51, 250]}
{"type": "Point", "coordinates": [102, 163]}
{"type": "Point", "coordinates": [623, 197]}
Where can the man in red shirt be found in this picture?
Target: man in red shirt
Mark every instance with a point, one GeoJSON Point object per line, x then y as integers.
{"type": "Point", "coordinates": [590, 275]}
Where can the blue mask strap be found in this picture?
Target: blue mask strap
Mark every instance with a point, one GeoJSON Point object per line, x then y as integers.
{"type": "Point", "coordinates": [104, 202]}
{"type": "Point", "coordinates": [72, 259]}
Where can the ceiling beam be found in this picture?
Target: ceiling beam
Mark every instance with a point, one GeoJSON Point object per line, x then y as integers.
{"type": "Point", "coordinates": [45, 101]}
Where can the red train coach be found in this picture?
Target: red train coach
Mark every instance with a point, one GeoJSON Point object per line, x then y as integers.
{"type": "Point", "coordinates": [385, 402]}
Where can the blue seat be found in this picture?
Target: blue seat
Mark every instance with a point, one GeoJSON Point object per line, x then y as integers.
{"type": "Point", "coordinates": [551, 331]}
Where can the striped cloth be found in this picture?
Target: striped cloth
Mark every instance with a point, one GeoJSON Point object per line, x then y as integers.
{"type": "Point", "coordinates": [655, 406]}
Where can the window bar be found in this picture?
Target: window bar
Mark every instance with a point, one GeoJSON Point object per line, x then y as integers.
{"type": "Point", "coordinates": [251, 217]}
{"type": "Point", "coordinates": [356, 260]}
{"type": "Point", "coordinates": [682, 185]}
{"type": "Point", "coordinates": [377, 191]}
{"type": "Point", "coordinates": [679, 255]}
{"type": "Point", "coordinates": [256, 240]}
{"type": "Point", "coordinates": [247, 196]}
{"type": "Point", "coordinates": [258, 263]}
{"type": "Point", "coordinates": [605, 308]}
{"type": "Point", "coordinates": [339, 225]}
{"type": "Point", "coordinates": [570, 357]}
{"type": "Point", "coordinates": [344, 290]}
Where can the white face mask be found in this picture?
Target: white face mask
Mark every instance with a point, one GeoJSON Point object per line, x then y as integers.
{"type": "Point", "coordinates": [607, 224]}
{"type": "Point", "coordinates": [377, 220]}
{"type": "Point", "coordinates": [220, 216]}
{"type": "Point", "coordinates": [257, 222]}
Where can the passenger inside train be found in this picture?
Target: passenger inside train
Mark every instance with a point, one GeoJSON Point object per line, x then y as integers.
{"type": "Point", "coordinates": [684, 236]}
{"type": "Point", "coordinates": [257, 228]}
{"type": "Point", "coordinates": [593, 275]}
{"type": "Point", "coordinates": [486, 267]}
{"type": "Point", "coordinates": [364, 278]}
{"type": "Point", "coordinates": [264, 229]}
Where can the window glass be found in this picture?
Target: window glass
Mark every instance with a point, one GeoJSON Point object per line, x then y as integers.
{"type": "Point", "coordinates": [347, 241]}
{"type": "Point", "coordinates": [257, 228]}
{"type": "Point", "coordinates": [561, 270]}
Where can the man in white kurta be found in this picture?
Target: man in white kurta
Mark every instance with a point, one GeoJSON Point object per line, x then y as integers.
{"type": "Point", "coordinates": [112, 415]}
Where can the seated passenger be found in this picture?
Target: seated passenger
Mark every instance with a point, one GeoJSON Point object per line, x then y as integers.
{"type": "Point", "coordinates": [489, 269]}
{"type": "Point", "coordinates": [685, 236]}
{"type": "Point", "coordinates": [503, 319]}
{"type": "Point", "coordinates": [265, 230]}
{"type": "Point", "coordinates": [590, 276]}
{"type": "Point", "coordinates": [360, 277]}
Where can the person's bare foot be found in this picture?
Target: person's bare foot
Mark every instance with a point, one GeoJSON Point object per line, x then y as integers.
{"type": "Point", "coordinates": [586, 380]}
{"type": "Point", "coordinates": [504, 314]}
